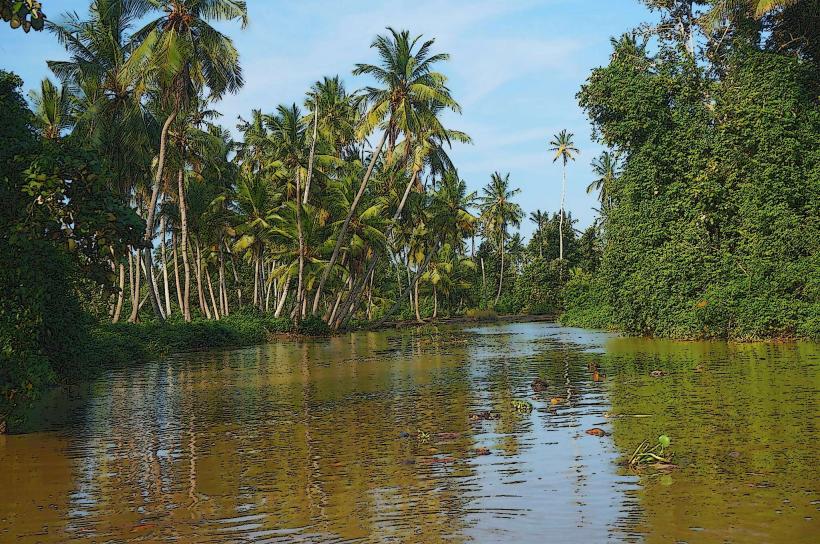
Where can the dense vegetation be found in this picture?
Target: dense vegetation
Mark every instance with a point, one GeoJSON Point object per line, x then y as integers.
{"type": "Point", "coordinates": [711, 212]}
{"type": "Point", "coordinates": [127, 202]}
{"type": "Point", "coordinates": [131, 204]}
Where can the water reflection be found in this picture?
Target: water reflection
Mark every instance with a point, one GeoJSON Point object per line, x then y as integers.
{"type": "Point", "coordinates": [319, 441]}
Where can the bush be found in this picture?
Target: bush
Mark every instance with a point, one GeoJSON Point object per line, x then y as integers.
{"type": "Point", "coordinates": [313, 326]}
{"type": "Point", "coordinates": [481, 315]}
{"type": "Point", "coordinates": [585, 303]}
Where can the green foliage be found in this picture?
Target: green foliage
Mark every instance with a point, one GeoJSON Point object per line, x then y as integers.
{"type": "Point", "coordinates": [584, 302]}
{"type": "Point", "coordinates": [313, 326]}
{"type": "Point", "coordinates": [714, 223]}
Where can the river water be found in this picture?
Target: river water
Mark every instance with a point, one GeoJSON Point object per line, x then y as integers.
{"type": "Point", "coordinates": [369, 438]}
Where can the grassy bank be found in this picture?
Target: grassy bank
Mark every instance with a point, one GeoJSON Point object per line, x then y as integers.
{"type": "Point", "coordinates": [103, 346]}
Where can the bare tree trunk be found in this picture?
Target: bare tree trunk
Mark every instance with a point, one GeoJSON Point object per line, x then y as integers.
{"type": "Point", "coordinates": [435, 302]}
{"type": "Point", "coordinates": [343, 230]}
{"type": "Point", "coordinates": [163, 229]}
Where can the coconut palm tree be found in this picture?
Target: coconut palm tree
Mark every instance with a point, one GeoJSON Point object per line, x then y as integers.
{"type": "Point", "coordinates": [409, 88]}
{"type": "Point", "coordinates": [498, 212]}
{"type": "Point", "coordinates": [182, 56]}
{"type": "Point", "coordinates": [606, 169]}
{"type": "Point", "coordinates": [564, 148]}
{"type": "Point", "coordinates": [52, 109]}
{"type": "Point", "coordinates": [539, 218]}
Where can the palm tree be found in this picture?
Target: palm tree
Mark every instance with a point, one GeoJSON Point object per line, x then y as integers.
{"type": "Point", "coordinates": [564, 148]}
{"type": "Point", "coordinates": [183, 55]}
{"type": "Point", "coordinates": [498, 212]}
{"type": "Point", "coordinates": [52, 109]}
{"type": "Point", "coordinates": [607, 169]}
{"type": "Point", "coordinates": [409, 89]}
{"type": "Point", "coordinates": [539, 218]}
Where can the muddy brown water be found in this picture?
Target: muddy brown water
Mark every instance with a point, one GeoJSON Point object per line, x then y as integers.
{"type": "Point", "coordinates": [318, 441]}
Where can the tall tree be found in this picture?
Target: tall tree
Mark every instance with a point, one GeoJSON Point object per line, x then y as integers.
{"type": "Point", "coordinates": [498, 212]}
{"type": "Point", "coordinates": [564, 148]}
{"type": "Point", "coordinates": [409, 88]}
{"type": "Point", "coordinates": [183, 56]}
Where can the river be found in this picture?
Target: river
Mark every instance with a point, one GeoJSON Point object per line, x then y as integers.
{"type": "Point", "coordinates": [380, 437]}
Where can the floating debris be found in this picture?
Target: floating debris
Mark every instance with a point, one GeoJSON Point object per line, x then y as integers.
{"type": "Point", "coordinates": [654, 457]}
{"type": "Point", "coordinates": [538, 385]}
{"type": "Point", "coordinates": [447, 436]}
{"type": "Point", "coordinates": [596, 431]}
{"type": "Point", "coordinates": [521, 406]}
{"type": "Point", "coordinates": [556, 400]}
{"type": "Point", "coordinates": [486, 415]}
{"type": "Point", "coordinates": [482, 451]}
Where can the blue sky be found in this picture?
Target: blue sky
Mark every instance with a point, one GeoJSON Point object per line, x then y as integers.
{"type": "Point", "coordinates": [515, 67]}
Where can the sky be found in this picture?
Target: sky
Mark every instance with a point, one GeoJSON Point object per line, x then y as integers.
{"type": "Point", "coordinates": [515, 67]}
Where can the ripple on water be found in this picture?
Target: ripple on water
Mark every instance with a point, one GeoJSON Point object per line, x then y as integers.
{"type": "Point", "coordinates": [368, 438]}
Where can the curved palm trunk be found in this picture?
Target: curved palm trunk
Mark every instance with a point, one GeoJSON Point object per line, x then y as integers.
{"type": "Point", "coordinates": [186, 265]}
{"type": "Point", "coordinates": [343, 231]}
{"type": "Point", "coordinates": [149, 222]}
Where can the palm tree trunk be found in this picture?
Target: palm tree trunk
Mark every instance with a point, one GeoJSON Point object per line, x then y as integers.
{"type": "Point", "coordinates": [135, 286]}
{"type": "Point", "coordinates": [300, 283]}
{"type": "Point", "coordinates": [561, 219]}
{"type": "Point", "coordinates": [162, 228]}
{"type": "Point", "coordinates": [236, 281]}
{"type": "Point", "coordinates": [435, 303]}
{"type": "Point", "coordinates": [343, 231]}
{"type": "Point", "coordinates": [223, 291]}
{"type": "Point", "coordinates": [186, 265]}
{"type": "Point", "coordinates": [416, 289]}
{"type": "Point", "coordinates": [211, 292]}
{"type": "Point", "coordinates": [483, 276]}
{"type": "Point", "coordinates": [203, 304]}
{"type": "Point", "coordinates": [312, 151]}
{"type": "Point", "coordinates": [501, 275]}
{"type": "Point", "coordinates": [178, 285]}
{"type": "Point", "coordinates": [149, 222]}
{"type": "Point", "coordinates": [283, 298]}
